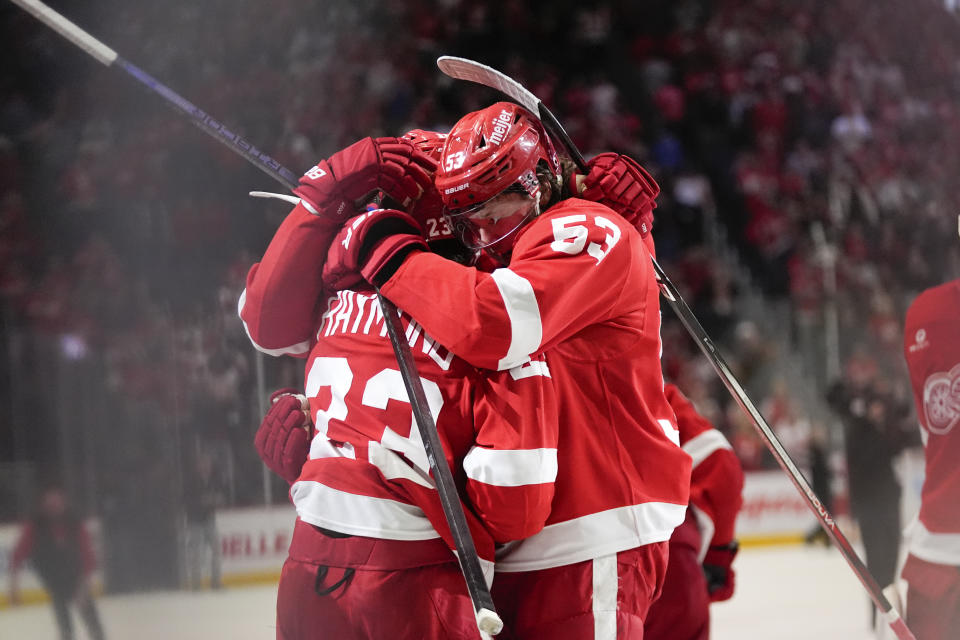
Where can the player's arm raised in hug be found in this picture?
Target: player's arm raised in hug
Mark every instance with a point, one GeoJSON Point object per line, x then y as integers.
{"type": "Point", "coordinates": [284, 295]}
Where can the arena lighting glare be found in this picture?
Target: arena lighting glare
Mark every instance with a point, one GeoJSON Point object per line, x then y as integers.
{"type": "Point", "coordinates": [73, 346]}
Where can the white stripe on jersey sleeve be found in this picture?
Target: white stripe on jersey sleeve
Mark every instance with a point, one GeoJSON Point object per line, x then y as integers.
{"type": "Point", "coordinates": [512, 467]}
{"type": "Point", "coordinates": [293, 350]}
{"type": "Point", "coordinates": [526, 330]}
{"type": "Point", "coordinates": [358, 514]}
{"type": "Point", "coordinates": [707, 529]}
{"type": "Point", "coordinates": [700, 447]}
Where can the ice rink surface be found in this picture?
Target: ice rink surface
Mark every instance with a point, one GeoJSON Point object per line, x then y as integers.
{"type": "Point", "coordinates": [782, 593]}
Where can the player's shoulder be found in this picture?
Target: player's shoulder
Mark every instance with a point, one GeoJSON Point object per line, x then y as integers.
{"type": "Point", "coordinates": [575, 227]}
{"type": "Point", "coordinates": [939, 301]}
{"type": "Point", "coordinates": [586, 208]}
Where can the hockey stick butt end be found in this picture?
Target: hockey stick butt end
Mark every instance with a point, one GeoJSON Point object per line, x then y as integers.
{"type": "Point", "coordinates": [489, 622]}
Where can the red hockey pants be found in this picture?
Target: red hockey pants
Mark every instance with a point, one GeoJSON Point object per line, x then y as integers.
{"type": "Point", "coordinates": [602, 599]}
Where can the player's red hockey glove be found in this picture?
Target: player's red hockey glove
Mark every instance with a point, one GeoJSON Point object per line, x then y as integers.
{"type": "Point", "coordinates": [283, 439]}
{"type": "Point", "coordinates": [717, 566]}
{"type": "Point", "coordinates": [620, 183]}
{"type": "Point", "coordinates": [335, 187]}
{"type": "Point", "coordinates": [371, 247]}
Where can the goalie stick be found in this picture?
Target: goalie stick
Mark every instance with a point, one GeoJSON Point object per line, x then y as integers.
{"type": "Point", "coordinates": [465, 69]}
{"type": "Point", "coordinates": [486, 616]}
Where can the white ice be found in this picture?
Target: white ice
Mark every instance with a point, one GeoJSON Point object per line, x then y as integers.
{"type": "Point", "coordinates": [782, 594]}
{"type": "Point", "coordinates": [793, 593]}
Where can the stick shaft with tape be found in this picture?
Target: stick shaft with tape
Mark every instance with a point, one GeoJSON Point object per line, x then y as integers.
{"type": "Point", "coordinates": [110, 58]}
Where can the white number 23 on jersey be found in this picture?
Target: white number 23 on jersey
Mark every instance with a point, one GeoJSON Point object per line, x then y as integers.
{"type": "Point", "coordinates": [375, 393]}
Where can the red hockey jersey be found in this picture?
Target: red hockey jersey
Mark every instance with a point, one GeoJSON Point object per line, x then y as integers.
{"type": "Point", "coordinates": [367, 472]}
{"type": "Point", "coordinates": [716, 481]}
{"type": "Point", "coordinates": [581, 288]}
{"type": "Point", "coordinates": [283, 300]}
{"type": "Point", "coordinates": [931, 346]}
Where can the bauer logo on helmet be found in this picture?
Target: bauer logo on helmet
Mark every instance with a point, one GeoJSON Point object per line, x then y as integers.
{"type": "Point", "coordinates": [461, 187]}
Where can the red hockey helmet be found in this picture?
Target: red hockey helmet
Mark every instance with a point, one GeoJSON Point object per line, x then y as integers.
{"type": "Point", "coordinates": [487, 173]}
{"type": "Point", "coordinates": [488, 151]}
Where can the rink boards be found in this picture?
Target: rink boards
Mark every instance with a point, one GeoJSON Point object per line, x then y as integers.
{"type": "Point", "coordinates": [254, 541]}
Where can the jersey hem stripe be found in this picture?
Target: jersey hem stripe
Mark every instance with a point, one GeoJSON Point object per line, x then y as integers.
{"type": "Point", "coordinates": [593, 536]}
{"type": "Point", "coordinates": [939, 548]}
{"type": "Point", "coordinates": [368, 516]}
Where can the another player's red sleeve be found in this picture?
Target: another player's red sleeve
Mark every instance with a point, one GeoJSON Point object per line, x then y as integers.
{"type": "Point", "coordinates": [512, 468]}
{"type": "Point", "coordinates": [716, 487]}
{"type": "Point", "coordinates": [716, 482]}
{"type": "Point", "coordinates": [283, 299]}
{"type": "Point", "coordinates": [23, 548]}
{"type": "Point", "coordinates": [575, 265]}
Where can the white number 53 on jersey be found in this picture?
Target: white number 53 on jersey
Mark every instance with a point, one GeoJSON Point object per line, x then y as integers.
{"type": "Point", "coordinates": [570, 235]}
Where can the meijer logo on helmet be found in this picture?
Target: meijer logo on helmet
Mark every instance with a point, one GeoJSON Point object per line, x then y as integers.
{"type": "Point", "coordinates": [501, 124]}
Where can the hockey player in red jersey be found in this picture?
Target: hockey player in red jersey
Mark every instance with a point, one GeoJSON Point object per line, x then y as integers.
{"type": "Point", "coordinates": [932, 570]}
{"type": "Point", "coordinates": [371, 551]}
{"type": "Point", "coordinates": [578, 285]}
{"type": "Point", "coordinates": [702, 549]}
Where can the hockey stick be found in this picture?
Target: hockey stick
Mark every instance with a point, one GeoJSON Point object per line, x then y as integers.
{"type": "Point", "coordinates": [486, 617]}
{"type": "Point", "coordinates": [108, 57]}
{"type": "Point", "coordinates": [464, 69]}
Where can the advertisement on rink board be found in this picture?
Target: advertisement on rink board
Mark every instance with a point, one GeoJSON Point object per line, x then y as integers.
{"type": "Point", "coordinates": [773, 511]}
{"type": "Point", "coordinates": [254, 542]}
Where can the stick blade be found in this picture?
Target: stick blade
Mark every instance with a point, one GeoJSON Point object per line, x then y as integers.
{"type": "Point", "coordinates": [472, 71]}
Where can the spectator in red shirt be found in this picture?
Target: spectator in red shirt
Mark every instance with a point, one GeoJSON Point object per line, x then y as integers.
{"type": "Point", "coordinates": [58, 547]}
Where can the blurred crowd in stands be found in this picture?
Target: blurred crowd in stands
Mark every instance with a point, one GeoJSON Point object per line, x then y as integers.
{"type": "Point", "coordinates": [820, 139]}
